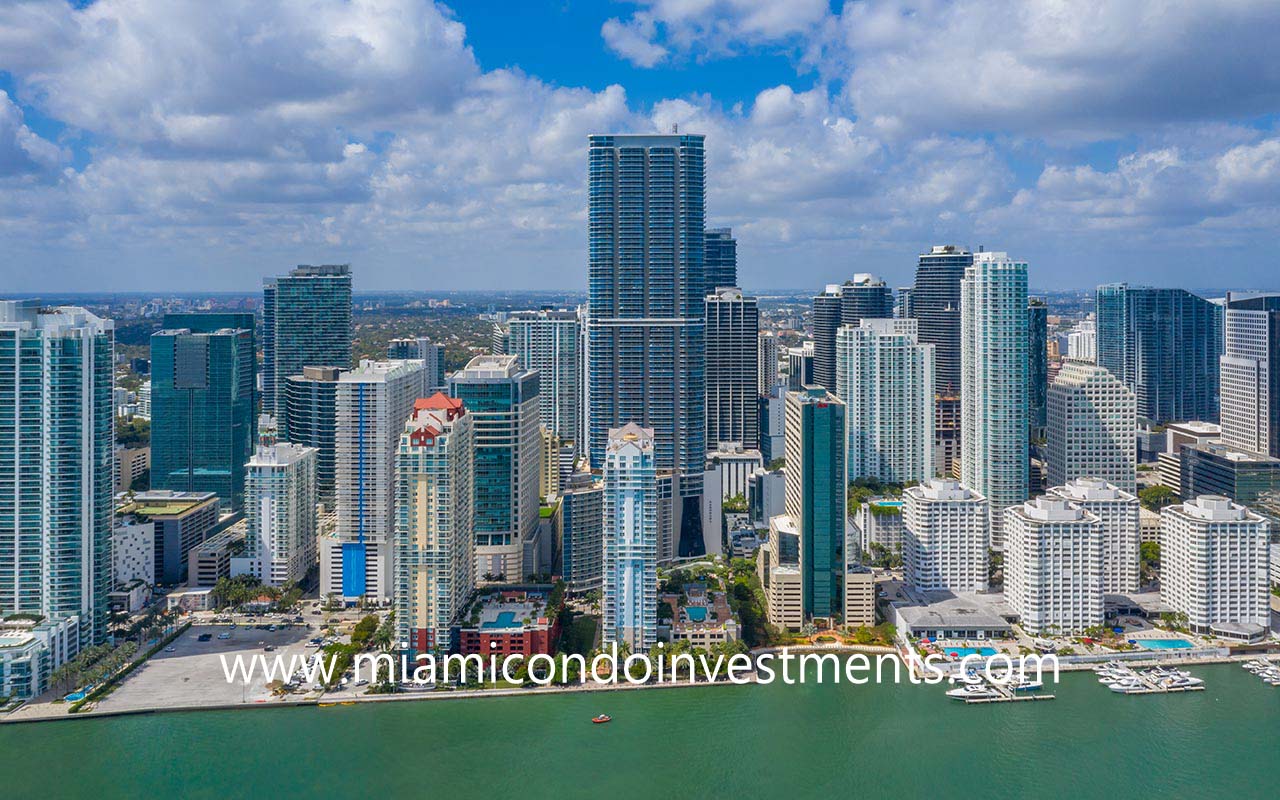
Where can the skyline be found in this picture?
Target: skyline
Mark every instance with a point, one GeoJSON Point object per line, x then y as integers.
{"type": "Point", "coordinates": [425, 143]}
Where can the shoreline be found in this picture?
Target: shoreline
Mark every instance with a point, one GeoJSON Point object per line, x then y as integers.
{"type": "Point", "coordinates": [465, 694]}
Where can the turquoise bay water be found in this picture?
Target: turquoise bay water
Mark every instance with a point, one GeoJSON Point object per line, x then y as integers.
{"type": "Point", "coordinates": [751, 741]}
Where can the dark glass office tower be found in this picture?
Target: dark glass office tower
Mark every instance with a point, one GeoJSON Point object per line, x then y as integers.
{"type": "Point", "coordinates": [646, 329]}
{"type": "Point", "coordinates": [721, 259]}
{"type": "Point", "coordinates": [203, 420]}
{"type": "Point", "coordinates": [310, 418]}
{"type": "Point", "coordinates": [1038, 369]}
{"type": "Point", "coordinates": [1164, 344]}
{"type": "Point", "coordinates": [935, 302]}
{"type": "Point", "coordinates": [306, 318]}
{"type": "Point", "coordinates": [864, 297]}
{"type": "Point", "coordinates": [733, 353]}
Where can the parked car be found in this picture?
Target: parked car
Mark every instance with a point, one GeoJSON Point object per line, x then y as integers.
{"type": "Point", "coordinates": [224, 636]}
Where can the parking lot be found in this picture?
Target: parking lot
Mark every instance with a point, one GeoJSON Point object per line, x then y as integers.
{"type": "Point", "coordinates": [190, 672]}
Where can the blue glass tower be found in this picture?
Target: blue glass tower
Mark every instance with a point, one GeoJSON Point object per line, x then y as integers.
{"type": "Point", "coordinates": [721, 259]}
{"type": "Point", "coordinates": [1164, 344]}
{"type": "Point", "coordinates": [306, 322]}
{"type": "Point", "coordinates": [646, 331]}
{"type": "Point", "coordinates": [203, 420]}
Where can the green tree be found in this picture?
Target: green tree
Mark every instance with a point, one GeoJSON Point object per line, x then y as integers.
{"type": "Point", "coordinates": [1154, 498]}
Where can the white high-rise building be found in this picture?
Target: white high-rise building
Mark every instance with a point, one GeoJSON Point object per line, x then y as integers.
{"type": "Point", "coordinates": [1248, 376]}
{"type": "Point", "coordinates": [1053, 573]}
{"type": "Point", "coordinates": [550, 342]}
{"type": "Point", "coordinates": [1092, 427]}
{"type": "Point", "coordinates": [1082, 341]}
{"type": "Point", "coordinates": [885, 378]}
{"type": "Point", "coordinates": [1121, 518]}
{"type": "Point", "coordinates": [280, 509]}
{"type": "Point", "coordinates": [995, 400]}
{"type": "Point", "coordinates": [767, 354]}
{"type": "Point", "coordinates": [372, 403]}
{"type": "Point", "coordinates": [945, 537]}
{"type": "Point", "coordinates": [434, 539]}
{"type": "Point", "coordinates": [1214, 559]}
{"type": "Point", "coordinates": [630, 596]}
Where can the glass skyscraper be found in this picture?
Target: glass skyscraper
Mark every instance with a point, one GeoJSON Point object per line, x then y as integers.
{"type": "Point", "coordinates": [203, 420]}
{"type": "Point", "coordinates": [309, 418]}
{"type": "Point", "coordinates": [721, 259]}
{"type": "Point", "coordinates": [551, 342]}
{"type": "Point", "coordinates": [306, 322]}
{"type": "Point", "coordinates": [1038, 373]}
{"type": "Point", "coordinates": [815, 495]}
{"type": "Point", "coordinates": [935, 302]}
{"type": "Point", "coordinates": [646, 330]}
{"type": "Point", "coordinates": [733, 353]}
{"type": "Point", "coordinates": [56, 437]}
{"type": "Point", "coordinates": [995, 402]}
{"type": "Point", "coordinates": [864, 297]}
{"type": "Point", "coordinates": [1164, 344]}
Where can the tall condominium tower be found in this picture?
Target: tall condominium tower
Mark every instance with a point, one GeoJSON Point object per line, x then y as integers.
{"type": "Point", "coordinates": [733, 368]}
{"type": "Point", "coordinates": [1250, 374]}
{"type": "Point", "coordinates": [800, 367]}
{"type": "Point", "coordinates": [372, 403]}
{"type": "Point", "coordinates": [767, 357]}
{"type": "Point", "coordinates": [721, 259]}
{"type": "Point", "coordinates": [309, 418]}
{"type": "Point", "coordinates": [902, 303]}
{"type": "Point", "coordinates": [864, 297]}
{"type": "Point", "coordinates": [945, 537]}
{"type": "Point", "coordinates": [203, 420]}
{"type": "Point", "coordinates": [1213, 558]}
{"type": "Point", "coordinates": [280, 507]}
{"type": "Point", "coordinates": [935, 302]}
{"type": "Point", "coordinates": [815, 495]}
{"type": "Point", "coordinates": [306, 322]}
{"type": "Point", "coordinates": [550, 342]}
{"type": "Point", "coordinates": [434, 539]}
{"type": "Point", "coordinates": [1093, 427]}
{"type": "Point", "coordinates": [56, 377]}
{"type": "Point", "coordinates": [1038, 366]}
{"type": "Point", "coordinates": [1164, 344]}
{"type": "Point", "coordinates": [1054, 554]}
{"type": "Point", "coordinates": [502, 398]}
{"type": "Point", "coordinates": [1118, 510]}
{"type": "Point", "coordinates": [995, 405]}
{"type": "Point", "coordinates": [422, 349]}
{"type": "Point", "coordinates": [885, 378]}
{"type": "Point", "coordinates": [630, 596]}
{"type": "Point", "coordinates": [646, 329]}
{"type": "Point", "coordinates": [580, 521]}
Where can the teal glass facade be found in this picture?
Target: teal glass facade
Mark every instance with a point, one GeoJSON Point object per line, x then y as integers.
{"type": "Point", "coordinates": [306, 320]}
{"type": "Point", "coordinates": [56, 458]}
{"type": "Point", "coordinates": [203, 419]}
{"type": "Point", "coordinates": [816, 496]}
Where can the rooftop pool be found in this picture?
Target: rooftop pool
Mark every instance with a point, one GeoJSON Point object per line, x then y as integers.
{"type": "Point", "coordinates": [506, 619]}
{"type": "Point", "coordinates": [696, 613]}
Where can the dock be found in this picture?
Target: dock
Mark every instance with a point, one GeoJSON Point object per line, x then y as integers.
{"type": "Point", "coordinates": [1007, 695]}
{"type": "Point", "coordinates": [1153, 684]}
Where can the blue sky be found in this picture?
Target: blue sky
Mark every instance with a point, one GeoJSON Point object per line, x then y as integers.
{"type": "Point", "coordinates": [173, 144]}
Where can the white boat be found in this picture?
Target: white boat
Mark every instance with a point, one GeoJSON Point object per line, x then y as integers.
{"type": "Point", "coordinates": [972, 692]}
{"type": "Point", "coordinates": [1025, 684]}
{"type": "Point", "coordinates": [1127, 687]}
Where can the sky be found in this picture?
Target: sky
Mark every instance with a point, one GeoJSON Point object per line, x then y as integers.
{"type": "Point", "coordinates": [175, 145]}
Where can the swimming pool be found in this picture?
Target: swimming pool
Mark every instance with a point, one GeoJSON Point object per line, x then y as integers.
{"type": "Point", "coordinates": [506, 619]}
{"type": "Point", "coordinates": [961, 652]}
{"type": "Point", "coordinates": [696, 613]}
{"type": "Point", "coordinates": [1163, 644]}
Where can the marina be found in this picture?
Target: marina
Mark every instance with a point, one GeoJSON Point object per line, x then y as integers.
{"type": "Point", "coordinates": [975, 689]}
{"type": "Point", "coordinates": [1122, 679]}
{"type": "Point", "coordinates": [1265, 669]}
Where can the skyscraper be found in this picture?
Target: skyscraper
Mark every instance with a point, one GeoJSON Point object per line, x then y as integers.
{"type": "Point", "coordinates": [434, 538]}
{"type": "Point", "coordinates": [945, 537]}
{"type": "Point", "coordinates": [935, 302]}
{"type": "Point", "coordinates": [203, 420]}
{"type": "Point", "coordinates": [733, 341]}
{"type": "Point", "coordinates": [1164, 344]}
{"type": "Point", "coordinates": [502, 398]}
{"type": "Point", "coordinates": [767, 355]}
{"type": "Point", "coordinates": [864, 297]}
{"type": "Point", "coordinates": [280, 507]}
{"type": "Point", "coordinates": [1250, 374]}
{"type": "Point", "coordinates": [309, 418]}
{"type": "Point", "coordinates": [56, 377]}
{"type": "Point", "coordinates": [646, 329]}
{"type": "Point", "coordinates": [422, 349]}
{"type": "Point", "coordinates": [815, 495]}
{"type": "Point", "coordinates": [995, 406]}
{"type": "Point", "coordinates": [1093, 427]}
{"type": "Point", "coordinates": [306, 322]}
{"type": "Point", "coordinates": [1038, 367]}
{"type": "Point", "coordinates": [1054, 566]}
{"type": "Point", "coordinates": [721, 259]}
{"type": "Point", "coordinates": [372, 403]}
{"type": "Point", "coordinates": [885, 378]}
{"type": "Point", "coordinates": [1121, 529]}
{"type": "Point", "coordinates": [630, 597]}
{"type": "Point", "coordinates": [581, 526]}
{"type": "Point", "coordinates": [550, 342]}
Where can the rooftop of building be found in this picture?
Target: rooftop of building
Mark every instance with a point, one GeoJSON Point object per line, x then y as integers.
{"type": "Point", "coordinates": [940, 489]}
{"type": "Point", "coordinates": [319, 270]}
{"type": "Point", "coordinates": [229, 538]}
{"type": "Point", "coordinates": [1212, 508]}
{"type": "Point", "coordinates": [630, 434]}
{"type": "Point", "coordinates": [489, 367]}
{"type": "Point", "coordinates": [279, 454]}
{"type": "Point", "coordinates": [1086, 489]}
{"type": "Point", "coordinates": [1196, 427]}
{"type": "Point", "coordinates": [1219, 450]}
{"type": "Point", "coordinates": [508, 612]}
{"type": "Point", "coordinates": [32, 315]}
{"type": "Point", "coordinates": [164, 503]}
{"type": "Point", "coordinates": [931, 610]}
{"type": "Point", "coordinates": [325, 374]}
{"type": "Point", "coordinates": [1051, 509]}
{"type": "Point", "coordinates": [734, 451]}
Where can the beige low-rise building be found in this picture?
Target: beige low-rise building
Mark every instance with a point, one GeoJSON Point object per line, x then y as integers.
{"type": "Point", "coordinates": [859, 596]}
{"type": "Point", "coordinates": [778, 565]}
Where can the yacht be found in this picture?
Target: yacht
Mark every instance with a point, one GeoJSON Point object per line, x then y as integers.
{"type": "Point", "coordinates": [1026, 684]}
{"type": "Point", "coordinates": [1127, 686]}
{"type": "Point", "coordinates": [972, 692]}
